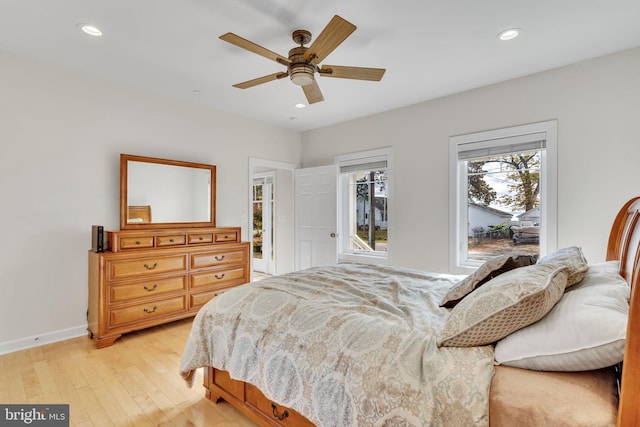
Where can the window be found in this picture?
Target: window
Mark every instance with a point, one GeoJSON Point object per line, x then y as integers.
{"type": "Point", "coordinates": [503, 193]}
{"type": "Point", "coordinates": [364, 203]}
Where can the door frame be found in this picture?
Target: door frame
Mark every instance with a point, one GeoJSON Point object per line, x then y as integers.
{"type": "Point", "coordinates": [259, 163]}
{"type": "Point", "coordinates": [266, 264]}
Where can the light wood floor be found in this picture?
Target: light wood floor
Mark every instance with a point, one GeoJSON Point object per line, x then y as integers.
{"type": "Point", "coordinates": [135, 382]}
{"type": "Point", "coordinates": [259, 276]}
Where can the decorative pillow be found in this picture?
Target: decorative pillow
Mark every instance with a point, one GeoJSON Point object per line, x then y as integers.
{"type": "Point", "coordinates": [586, 330]}
{"type": "Point", "coordinates": [503, 305]}
{"type": "Point", "coordinates": [570, 257]}
{"type": "Point", "coordinates": [493, 267]}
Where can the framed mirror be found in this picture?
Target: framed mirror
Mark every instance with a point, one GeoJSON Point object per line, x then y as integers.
{"type": "Point", "coordinates": [160, 193]}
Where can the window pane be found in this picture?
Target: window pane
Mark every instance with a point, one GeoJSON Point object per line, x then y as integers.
{"type": "Point", "coordinates": [257, 219]}
{"type": "Point", "coordinates": [367, 193]}
{"type": "Point", "coordinates": [257, 229]}
{"type": "Point", "coordinates": [503, 204]}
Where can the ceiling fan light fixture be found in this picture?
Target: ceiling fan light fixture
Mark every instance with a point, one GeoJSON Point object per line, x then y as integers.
{"type": "Point", "coordinates": [301, 74]}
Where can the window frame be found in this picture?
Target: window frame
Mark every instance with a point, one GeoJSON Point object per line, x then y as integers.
{"type": "Point", "coordinates": [345, 253]}
{"type": "Point", "coordinates": [458, 190]}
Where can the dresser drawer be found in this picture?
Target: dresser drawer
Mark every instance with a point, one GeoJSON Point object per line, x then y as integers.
{"type": "Point", "coordinates": [150, 310]}
{"type": "Point", "coordinates": [162, 241]}
{"type": "Point", "coordinates": [229, 236]}
{"type": "Point", "coordinates": [223, 278]}
{"type": "Point", "coordinates": [127, 240]}
{"type": "Point", "coordinates": [210, 259]}
{"type": "Point", "coordinates": [195, 238]}
{"type": "Point", "coordinates": [139, 242]}
{"type": "Point", "coordinates": [120, 293]}
{"type": "Point", "coordinates": [122, 269]}
{"type": "Point", "coordinates": [197, 300]}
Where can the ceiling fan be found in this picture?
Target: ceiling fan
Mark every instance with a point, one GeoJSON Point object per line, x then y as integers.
{"type": "Point", "coordinates": [303, 62]}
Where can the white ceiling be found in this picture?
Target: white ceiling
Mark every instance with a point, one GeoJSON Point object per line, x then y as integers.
{"type": "Point", "coordinates": [430, 48]}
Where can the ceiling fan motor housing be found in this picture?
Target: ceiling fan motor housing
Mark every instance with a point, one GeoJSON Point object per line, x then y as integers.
{"type": "Point", "coordinates": [300, 71]}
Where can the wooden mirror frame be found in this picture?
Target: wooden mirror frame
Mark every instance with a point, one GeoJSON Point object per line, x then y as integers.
{"type": "Point", "coordinates": [124, 191]}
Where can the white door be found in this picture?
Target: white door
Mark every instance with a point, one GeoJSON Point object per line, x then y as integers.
{"type": "Point", "coordinates": [316, 217]}
{"type": "Point", "coordinates": [263, 230]}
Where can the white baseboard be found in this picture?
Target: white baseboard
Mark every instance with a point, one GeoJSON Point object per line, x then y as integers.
{"type": "Point", "coordinates": [42, 339]}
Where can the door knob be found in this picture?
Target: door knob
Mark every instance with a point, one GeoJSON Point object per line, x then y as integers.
{"type": "Point", "coordinates": [332, 234]}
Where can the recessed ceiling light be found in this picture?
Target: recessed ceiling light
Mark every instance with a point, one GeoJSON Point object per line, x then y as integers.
{"type": "Point", "coordinates": [509, 34]}
{"type": "Point", "coordinates": [300, 105]}
{"type": "Point", "coordinates": [90, 29]}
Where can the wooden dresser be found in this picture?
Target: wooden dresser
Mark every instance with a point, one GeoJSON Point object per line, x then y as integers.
{"type": "Point", "coordinates": [155, 276]}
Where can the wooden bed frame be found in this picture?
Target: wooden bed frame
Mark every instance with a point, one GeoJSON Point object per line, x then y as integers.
{"type": "Point", "coordinates": [142, 212]}
{"type": "Point", "coordinates": [623, 245]}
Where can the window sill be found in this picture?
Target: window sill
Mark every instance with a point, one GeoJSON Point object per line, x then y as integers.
{"type": "Point", "coordinates": [364, 257]}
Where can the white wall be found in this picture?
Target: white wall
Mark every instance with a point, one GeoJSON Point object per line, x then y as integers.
{"type": "Point", "coordinates": [598, 110]}
{"type": "Point", "coordinates": [61, 134]}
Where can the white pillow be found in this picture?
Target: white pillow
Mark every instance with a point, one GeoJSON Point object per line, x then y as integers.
{"type": "Point", "coordinates": [586, 330]}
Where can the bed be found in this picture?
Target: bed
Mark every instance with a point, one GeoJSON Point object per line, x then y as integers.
{"type": "Point", "coordinates": [385, 346]}
{"type": "Point", "coordinates": [139, 214]}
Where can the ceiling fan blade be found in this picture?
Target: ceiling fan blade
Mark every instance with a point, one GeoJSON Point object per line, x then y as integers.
{"type": "Point", "coordinates": [313, 93]}
{"type": "Point", "coordinates": [336, 31]}
{"type": "Point", "coordinates": [260, 80]}
{"type": "Point", "coordinates": [357, 73]}
{"type": "Point", "coordinates": [252, 47]}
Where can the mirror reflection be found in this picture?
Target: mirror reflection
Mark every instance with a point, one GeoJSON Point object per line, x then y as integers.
{"type": "Point", "coordinates": [157, 192]}
{"type": "Point", "coordinates": [166, 193]}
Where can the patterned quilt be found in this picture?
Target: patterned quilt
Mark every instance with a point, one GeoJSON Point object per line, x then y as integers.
{"type": "Point", "coordinates": [346, 345]}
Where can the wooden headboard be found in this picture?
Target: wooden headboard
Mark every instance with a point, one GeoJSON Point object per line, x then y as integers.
{"type": "Point", "coordinates": [624, 245]}
{"type": "Point", "coordinates": [142, 212]}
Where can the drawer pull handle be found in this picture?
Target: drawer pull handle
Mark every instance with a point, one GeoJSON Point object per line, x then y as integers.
{"type": "Point", "coordinates": [219, 258]}
{"type": "Point", "coordinates": [155, 264]}
{"type": "Point", "coordinates": [148, 289]}
{"type": "Point", "coordinates": [146, 310]}
{"type": "Point", "coordinates": [200, 238]}
{"type": "Point", "coordinates": [219, 276]}
{"type": "Point", "coordinates": [137, 242]}
{"type": "Point", "coordinates": [226, 237]}
{"type": "Point", "coordinates": [284, 415]}
{"type": "Point", "coordinates": [170, 240]}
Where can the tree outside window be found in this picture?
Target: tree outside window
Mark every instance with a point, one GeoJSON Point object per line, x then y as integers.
{"type": "Point", "coordinates": [505, 183]}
